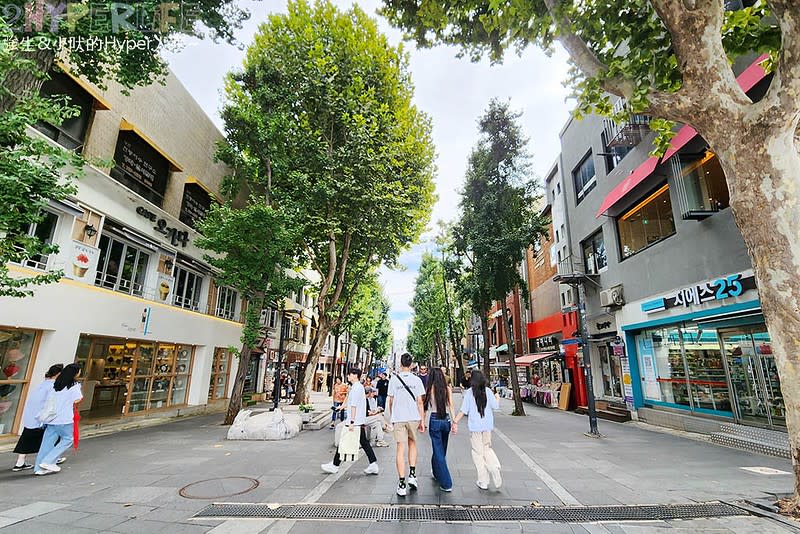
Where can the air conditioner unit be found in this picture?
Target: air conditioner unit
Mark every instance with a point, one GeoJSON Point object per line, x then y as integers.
{"type": "Point", "coordinates": [612, 297]}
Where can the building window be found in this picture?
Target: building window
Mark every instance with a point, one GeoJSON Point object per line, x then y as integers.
{"type": "Point", "coordinates": [195, 205]}
{"type": "Point", "coordinates": [71, 133]}
{"type": "Point", "coordinates": [226, 303]}
{"type": "Point", "coordinates": [43, 231]}
{"type": "Point", "coordinates": [704, 189]}
{"type": "Point", "coordinates": [220, 373]}
{"type": "Point", "coordinates": [187, 289]}
{"type": "Point", "coordinates": [269, 317]}
{"type": "Point", "coordinates": [121, 267]}
{"type": "Point", "coordinates": [585, 177]}
{"type": "Point", "coordinates": [613, 154]}
{"type": "Point", "coordinates": [647, 223]}
{"type": "Point", "coordinates": [140, 167]}
{"type": "Point", "coordinates": [594, 253]}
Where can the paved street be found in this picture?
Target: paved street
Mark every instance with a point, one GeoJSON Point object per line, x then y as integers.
{"type": "Point", "coordinates": [130, 481]}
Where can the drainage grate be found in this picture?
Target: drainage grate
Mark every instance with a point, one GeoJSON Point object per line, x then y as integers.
{"type": "Point", "coordinates": [473, 514]}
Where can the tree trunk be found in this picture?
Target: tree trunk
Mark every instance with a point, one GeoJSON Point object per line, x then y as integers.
{"type": "Point", "coordinates": [485, 348]}
{"type": "Point", "coordinates": [762, 170]}
{"type": "Point", "coordinates": [305, 379]}
{"type": "Point", "coordinates": [235, 403]}
{"type": "Point", "coordinates": [23, 82]}
{"type": "Point", "coordinates": [519, 409]}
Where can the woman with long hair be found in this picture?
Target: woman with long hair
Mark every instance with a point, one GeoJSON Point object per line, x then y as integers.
{"type": "Point", "coordinates": [31, 439]}
{"type": "Point", "coordinates": [477, 405]}
{"type": "Point", "coordinates": [58, 432]}
{"type": "Point", "coordinates": [439, 402]}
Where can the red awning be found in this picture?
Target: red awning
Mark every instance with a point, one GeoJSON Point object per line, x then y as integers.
{"type": "Point", "coordinates": [747, 80]}
{"type": "Point", "coordinates": [528, 359]}
{"type": "Point", "coordinates": [624, 187]}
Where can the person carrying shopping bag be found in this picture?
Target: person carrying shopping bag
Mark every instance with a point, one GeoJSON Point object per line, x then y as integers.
{"type": "Point", "coordinates": [478, 404]}
{"type": "Point", "coordinates": [33, 430]}
{"type": "Point", "coordinates": [439, 402]}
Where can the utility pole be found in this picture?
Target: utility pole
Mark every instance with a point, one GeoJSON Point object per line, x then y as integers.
{"type": "Point", "coordinates": [587, 363]}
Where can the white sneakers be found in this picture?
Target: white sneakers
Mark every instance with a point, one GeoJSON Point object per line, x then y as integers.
{"type": "Point", "coordinates": [481, 485]}
{"type": "Point", "coordinates": [328, 468]}
{"type": "Point", "coordinates": [412, 482]}
{"type": "Point", "coordinates": [402, 489]}
{"type": "Point", "coordinates": [50, 467]}
{"type": "Point", "coordinates": [381, 444]}
{"type": "Point", "coordinates": [372, 469]}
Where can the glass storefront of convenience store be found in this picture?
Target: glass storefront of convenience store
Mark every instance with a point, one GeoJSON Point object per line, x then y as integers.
{"type": "Point", "coordinates": [717, 367]}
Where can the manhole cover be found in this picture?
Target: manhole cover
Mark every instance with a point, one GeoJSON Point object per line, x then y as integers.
{"type": "Point", "coordinates": [217, 488]}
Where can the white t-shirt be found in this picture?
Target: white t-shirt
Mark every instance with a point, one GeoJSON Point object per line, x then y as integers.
{"type": "Point", "coordinates": [470, 409]}
{"type": "Point", "coordinates": [358, 399]}
{"type": "Point", "coordinates": [35, 403]}
{"type": "Point", "coordinates": [65, 400]}
{"type": "Point", "coordinates": [404, 406]}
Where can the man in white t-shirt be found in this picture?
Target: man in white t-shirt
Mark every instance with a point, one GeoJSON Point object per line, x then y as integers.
{"type": "Point", "coordinates": [357, 411]}
{"type": "Point", "coordinates": [407, 416]}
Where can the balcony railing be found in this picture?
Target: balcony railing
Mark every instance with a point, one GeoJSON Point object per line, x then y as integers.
{"type": "Point", "coordinates": [629, 132]}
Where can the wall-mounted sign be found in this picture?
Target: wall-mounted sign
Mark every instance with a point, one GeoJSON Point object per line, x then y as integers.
{"type": "Point", "coordinates": [195, 205]}
{"type": "Point", "coordinates": [82, 262]}
{"type": "Point", "coordinates": [548, 343]}
{"type": "Point", "coordinates": [602, 326]}
{"type": "Point", "coordinates": [176, 237]}
{"type": "Point", "coordinates": [720, 289]}
{"type": "Point", "coordinates": [140, 167]}
{"type": "Point", "coordinates": [627, 382]}
{"type": "Point", "coordinates": [164, 286]}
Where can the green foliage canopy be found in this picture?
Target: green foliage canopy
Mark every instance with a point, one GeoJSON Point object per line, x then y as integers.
{"type": "Point", "coordinates": [430, 310]}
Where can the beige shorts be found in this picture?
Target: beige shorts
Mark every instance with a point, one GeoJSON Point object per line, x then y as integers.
{"type": "Point", "coordinates": [405, 431]}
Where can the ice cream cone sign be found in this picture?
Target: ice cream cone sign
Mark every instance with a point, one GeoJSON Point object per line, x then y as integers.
{"type": "Point", "coordinates": [80, 265]}
{"type": "Point", "coordinates": [163, 290]}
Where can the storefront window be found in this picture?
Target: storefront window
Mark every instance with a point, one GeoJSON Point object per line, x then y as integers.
{"type": "Point", "coordinates": [16, 355]}
{"type": "Point", "coordinates": [43, 231]}
{"type": "Point", "coordinates": [121, 267]}
{"type": "Point", "coordinates": [226, 303]}
{"type": "Point", "coordinates": [661, 364]}
{"type": "Point", "coordinates": [220, 372]}
{"type": "Point", "coordinates": [612, 372]}
{"type": "Point", "coordinates": [187, 289]}
{"type": "Point", "coordinates": [142, 375]}
{"type": "Point", "coordinates": [647, 223]}
{"type": "Point", "coordinates": [707, 378]}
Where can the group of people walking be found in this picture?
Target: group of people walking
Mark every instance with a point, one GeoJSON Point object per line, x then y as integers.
{"type": "Point", "coordinates": [409, 397]}
{"type": "Point", "coordinates": [49, 420]}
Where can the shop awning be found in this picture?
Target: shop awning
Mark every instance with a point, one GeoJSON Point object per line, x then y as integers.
{"type": "Point", "coordinates": [501, 348]}
{"type": "Point", "coordinates": [528, 359]}
{"type": "Point", "coordinates": [625, 186]}
{"type": "Point", "coordinates": [746, 80]}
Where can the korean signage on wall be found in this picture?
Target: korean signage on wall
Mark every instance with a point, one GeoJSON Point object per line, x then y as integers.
{"type": "Point", "coordinates": [719, 289]}
{"type": "Point", "coordinates": [176, 237]}
{"type": "Point", "coordinates": [195, 206]}
{"type": "Point", "coordinates": [140, 167]}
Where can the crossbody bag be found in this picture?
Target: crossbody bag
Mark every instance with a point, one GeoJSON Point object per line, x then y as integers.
{"type": "Point", "coordinates": [400, 378]}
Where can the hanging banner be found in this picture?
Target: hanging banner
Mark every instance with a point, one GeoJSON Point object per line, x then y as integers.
{"type": "Point", "coordinates": [627, 382]}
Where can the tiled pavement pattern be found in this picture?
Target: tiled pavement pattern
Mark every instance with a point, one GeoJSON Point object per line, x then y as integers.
{"type": "Point", "coordinates": [129, 481]}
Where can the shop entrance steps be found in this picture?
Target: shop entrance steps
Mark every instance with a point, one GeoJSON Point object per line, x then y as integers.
{"type": "Point", "coordinates": [753, 439]}
{"type": "Point", "coordinates": [609, 411]}
{"type": "Point", "coordinates": [318, 421]}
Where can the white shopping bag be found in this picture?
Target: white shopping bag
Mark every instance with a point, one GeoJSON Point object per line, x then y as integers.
{"type": "Point", "coordinates": [349, 444]}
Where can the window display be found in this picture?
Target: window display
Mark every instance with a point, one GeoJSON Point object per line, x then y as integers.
{"type": "Point", "coordinates": [128, 376]}
{"type": "Point", "coordinates": [646, 223]}
{"type": "Point", "coordinates": [16, 363]}
{"type": "Point", "coordinates": [220, 371]}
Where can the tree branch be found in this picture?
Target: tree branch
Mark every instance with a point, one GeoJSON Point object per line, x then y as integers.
{"type": "Point", "coordinates": [345, 257]}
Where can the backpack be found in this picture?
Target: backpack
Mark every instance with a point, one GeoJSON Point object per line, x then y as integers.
{"type": "Point", "coordinates": [48, 413]}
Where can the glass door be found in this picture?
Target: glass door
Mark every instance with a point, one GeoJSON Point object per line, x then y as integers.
{"type": "Point", "coordinates": [754, 376]}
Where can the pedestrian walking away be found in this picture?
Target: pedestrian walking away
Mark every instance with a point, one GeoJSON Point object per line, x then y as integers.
{"type": "Point", "coordinates": [383, 389]}
{"type": "Point", "coordinates": [58, 416]}
{"type": "Point", "coordinates": [339, 396]}
{"type": "Point", "coordinates": [407, 417]}
{"type": "Point", "coordinates": [439, 402]}
{"type": "Point", "coordinates": [33, 430]}
{"type": "Point", "coordinates": [478, 404]}
{"type": "Point", "coordinates": [375, 419]}
{"type": "Point", "coordinates": [357, 404]}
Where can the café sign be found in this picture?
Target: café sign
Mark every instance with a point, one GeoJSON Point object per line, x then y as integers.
{"type": "Point", "coordinates": [720, 289]}
{"type": "Point", "coordinates": [176, 237]}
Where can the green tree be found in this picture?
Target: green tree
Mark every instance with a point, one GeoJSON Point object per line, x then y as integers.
{"type": "Point", "coordinates": [498, 219]}
{"type": "Point", "coordinates": [253, 249]}
{"type": "Point", "coordinates": [370, 325]}
{"type": "Point", "coordinates": [32, 171]}
{"type": "Point", "coordinates": [429, 323]}
{"type": "Point", "coordinates": [324, 115]}
{"type": "Point", "coordinates": [664, 56]}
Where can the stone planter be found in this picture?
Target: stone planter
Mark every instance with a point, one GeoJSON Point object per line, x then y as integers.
{"type": "Point", "coordinates": [305, 417]}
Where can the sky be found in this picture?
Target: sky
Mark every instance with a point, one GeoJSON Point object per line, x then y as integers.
{"type": "Point", "coordinates": [452, 90]}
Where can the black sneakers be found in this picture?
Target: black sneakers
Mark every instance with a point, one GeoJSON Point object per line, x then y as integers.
{"type": "Point", "coordinates": [22, 467]}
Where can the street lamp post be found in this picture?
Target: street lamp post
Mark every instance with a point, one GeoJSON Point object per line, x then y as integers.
{"type": "Point", "coordinates": [276, 387]}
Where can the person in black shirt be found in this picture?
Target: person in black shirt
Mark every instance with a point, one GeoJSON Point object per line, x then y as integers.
{"type": "Point", "coordinates": [383, 389]}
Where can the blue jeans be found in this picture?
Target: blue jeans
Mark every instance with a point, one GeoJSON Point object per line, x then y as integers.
{"type": "Point", "coordinates": [439, 430]}
{"type": "Point", "coordinates": [337, 413]}
{"type": "Point", "coordinates": [49, 452]}
{"type": "Point", "coordinates": [382, 401]}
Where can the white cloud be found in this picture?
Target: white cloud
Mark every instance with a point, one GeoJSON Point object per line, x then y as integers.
{"type": "Point", "coordinates": [454, 92]}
